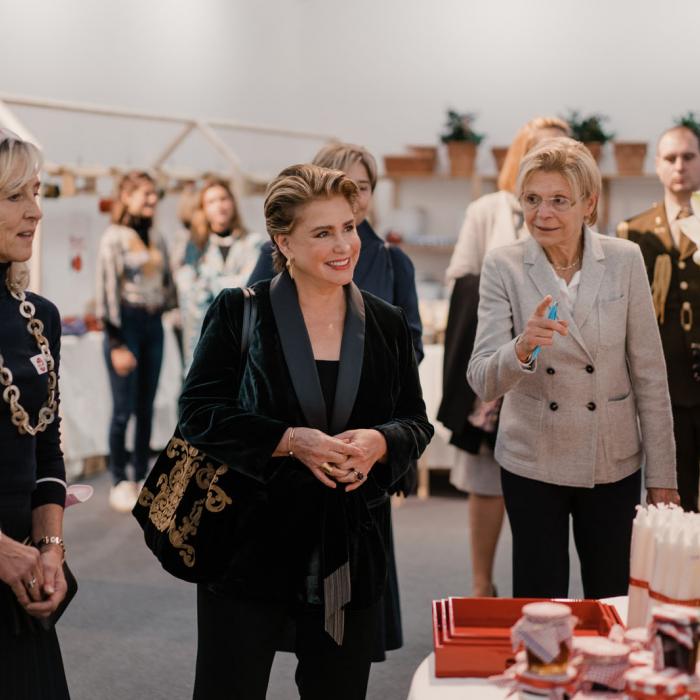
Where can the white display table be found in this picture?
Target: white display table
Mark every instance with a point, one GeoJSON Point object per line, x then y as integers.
{"type": "Point", "coordinates": [439, 454]}
{"type": "Point", "coordinates": [425, 686]}
{"type": "Point", "coordinates": [86, 399]}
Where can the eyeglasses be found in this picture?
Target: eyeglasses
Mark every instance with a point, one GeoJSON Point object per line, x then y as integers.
{"type": "Point", "coordinates": [531, 202]}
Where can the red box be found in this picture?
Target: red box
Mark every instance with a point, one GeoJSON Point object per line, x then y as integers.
{"type": "Point", "coordinates": [471, 636]}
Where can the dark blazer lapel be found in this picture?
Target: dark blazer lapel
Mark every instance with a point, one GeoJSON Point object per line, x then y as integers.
{"type": "Point", "coordinates": [352, 350]}
{"type": "Point", "coordinates": [297, 350]}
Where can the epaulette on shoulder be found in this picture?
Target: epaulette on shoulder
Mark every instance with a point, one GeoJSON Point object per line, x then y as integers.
{"type": "Point", "coordinates": [645, 221]}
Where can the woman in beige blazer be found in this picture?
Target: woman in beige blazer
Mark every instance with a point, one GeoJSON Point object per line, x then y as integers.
{"type": "Point", "coordinates": [569, 441]}
{"type": "Point", "coordinates": [491, 221]}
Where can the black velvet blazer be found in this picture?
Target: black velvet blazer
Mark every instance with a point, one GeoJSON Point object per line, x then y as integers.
{"type": "Point", "coordinates": [238, 416]}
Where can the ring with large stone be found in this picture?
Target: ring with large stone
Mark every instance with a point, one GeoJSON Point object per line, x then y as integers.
{"type": "Point", "coordinates": [326, 468]}
{"type": "Point", "coordinates": [359, 476]}
{"type": "Point", "coordinates": [31, 583]}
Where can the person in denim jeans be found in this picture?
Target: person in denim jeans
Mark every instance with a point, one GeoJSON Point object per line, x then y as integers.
{"type": "Point", "coordinates": [134, 289]}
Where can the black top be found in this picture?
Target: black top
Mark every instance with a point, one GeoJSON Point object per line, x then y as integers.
{"type": "Point", "coordinates": [328, 376]}
{"type": "Point", "coordinates": [383, 270]}
{"type": "Point", "coordinates": [31, 468]}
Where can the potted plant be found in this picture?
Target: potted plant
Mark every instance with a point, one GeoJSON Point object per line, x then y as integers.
{"type": "Point", "coordinates": [589, 130]}
{"type": "Point", "coordinates": [690, 121]}
{"type": "Point", "coordinates": [461, 141]}
{"type": "Point", "coordinates": [630, 157]}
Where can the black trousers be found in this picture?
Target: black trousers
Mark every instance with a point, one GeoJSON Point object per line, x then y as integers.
{"type": "Point", "coordinates": [686, 428]}
{"type": "Point", "coordinates": [135, 393]}
{"type": "Point", "coordinates": [237, 640]}
{"type": "Point", "coordinates": [539, 519]}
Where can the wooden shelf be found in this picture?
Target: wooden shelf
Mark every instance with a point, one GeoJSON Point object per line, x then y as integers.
{"type": "Point", "coordinates": [478, 179]}
{"type": "Point", "coordinates": [439, 176]}
{"type": "Point", "coordinates": [612, 177]}
{"type": "Point", "coordinates": [491, 177]}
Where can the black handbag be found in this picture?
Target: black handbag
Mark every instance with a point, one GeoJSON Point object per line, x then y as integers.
{"type": "Point", "coordinates": [185, 505]}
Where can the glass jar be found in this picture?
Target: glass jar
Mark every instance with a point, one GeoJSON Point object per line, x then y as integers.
{"type": "Point", "coordinates": [547, 621]}
{"type": "Point", "coordinates": [676, 637]}
{"type": "Point", "coordinates": [642, 657]}
{"type": "Point", "coordinates": [646, 683]}
{"type": "Point", "coordinates": [603, 663]}
{"type": "Point", "coordinates": [637, 638]}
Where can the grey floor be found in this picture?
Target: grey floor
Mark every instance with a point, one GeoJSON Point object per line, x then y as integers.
{"type": "Point", "coordinates": [130, 632]}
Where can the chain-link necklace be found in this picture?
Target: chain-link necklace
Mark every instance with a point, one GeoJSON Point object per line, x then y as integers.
{"type": "Point", "coordinates": [47, 413]}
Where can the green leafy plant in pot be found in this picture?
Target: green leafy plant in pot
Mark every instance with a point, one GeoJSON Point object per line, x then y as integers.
{"type": "Point", "coordinates": [690, 121]}
{"type": "Point", "coordinates": [589, 130]}
{"type": "Point", "coordinates": [461, 141]}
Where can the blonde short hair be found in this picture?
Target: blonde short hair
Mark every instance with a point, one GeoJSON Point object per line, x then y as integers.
{"type": "Point", "coordinates": [20, 163]}
{"type": "Point", "coordinates": [524, 140]}
{"type": "Point", "coordinates": [295, 187]}
{"type": "Point", "coordinates": [572, 160]}
{"type": "Point", "coordinates": [341, 156]}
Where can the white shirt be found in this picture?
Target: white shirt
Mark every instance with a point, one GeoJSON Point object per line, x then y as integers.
{"type": "Point", "coordinates": [674, 223]}
{"type": "Point", "coordinates": [569, 292]}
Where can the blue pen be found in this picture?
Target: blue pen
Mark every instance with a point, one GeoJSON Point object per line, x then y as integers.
{"type": "Point", "coordinates": [552, 316]}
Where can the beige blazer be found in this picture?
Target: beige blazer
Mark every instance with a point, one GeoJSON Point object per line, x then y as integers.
{"type": "Point", "coordinates": [574, 418]}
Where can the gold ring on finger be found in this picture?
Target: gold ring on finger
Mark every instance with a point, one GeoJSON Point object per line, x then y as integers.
{"type": "Point", "coordinates": [359, 476]}
{"type": "Point", "coordinates": [326, 468]}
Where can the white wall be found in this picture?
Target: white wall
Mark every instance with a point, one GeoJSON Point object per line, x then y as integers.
{"type": "Point", "coordinates": [378, 72]}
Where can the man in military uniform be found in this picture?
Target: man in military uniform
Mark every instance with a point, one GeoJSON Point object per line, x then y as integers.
{"type": "Point", "coordinates": [673, 265]}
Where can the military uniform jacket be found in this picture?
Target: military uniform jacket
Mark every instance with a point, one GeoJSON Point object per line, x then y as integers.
{"type": "Point", "coordinates": [674, 276]}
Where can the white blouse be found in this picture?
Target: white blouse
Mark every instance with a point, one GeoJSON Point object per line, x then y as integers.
{"type": "Point", "coordinates": [569, 292]}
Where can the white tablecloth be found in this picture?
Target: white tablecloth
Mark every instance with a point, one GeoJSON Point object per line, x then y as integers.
{"type": "Point", "coordinates": [425, 686]}
{"type": "Point", "coordinates": [86, 399]}
{"type": "Point", "coordinates": [439, 453]}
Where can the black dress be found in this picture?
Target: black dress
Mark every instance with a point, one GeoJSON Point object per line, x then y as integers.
{"type": "Point", "coordinates": [32, 474]}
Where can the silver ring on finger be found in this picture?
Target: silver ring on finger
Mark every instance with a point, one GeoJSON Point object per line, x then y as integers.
{"type": "Point", "coordinates": [31, 583]}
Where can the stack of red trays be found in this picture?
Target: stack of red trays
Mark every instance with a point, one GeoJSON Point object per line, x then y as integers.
{"type": "Point", "coordinates": [472, 635]}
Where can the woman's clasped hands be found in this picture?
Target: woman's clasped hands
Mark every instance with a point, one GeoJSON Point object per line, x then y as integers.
{"type": "Point", "coordinates": [35, 578]}
{"type": "Point", "coordinates": [346, 458]}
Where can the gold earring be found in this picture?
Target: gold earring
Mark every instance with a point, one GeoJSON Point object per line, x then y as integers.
{"type": "Point", "coordinates": [290, 267]}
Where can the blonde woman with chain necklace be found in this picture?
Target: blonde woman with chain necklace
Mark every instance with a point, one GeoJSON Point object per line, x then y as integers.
{"type": "Point", "coordinates": [32, 473]}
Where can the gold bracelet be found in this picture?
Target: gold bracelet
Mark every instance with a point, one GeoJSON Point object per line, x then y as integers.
{"type": "Point", "coordinates": [290, 442]}
{"type": "Point", "coordinates": [51, 539]}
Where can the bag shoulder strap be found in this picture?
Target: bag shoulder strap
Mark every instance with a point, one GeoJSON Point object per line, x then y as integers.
{"type": "Point", "coordinates": [250, 315]}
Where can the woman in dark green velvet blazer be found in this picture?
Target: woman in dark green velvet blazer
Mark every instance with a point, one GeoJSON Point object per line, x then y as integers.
{"type": "Point", "coordinates": [319, 421]}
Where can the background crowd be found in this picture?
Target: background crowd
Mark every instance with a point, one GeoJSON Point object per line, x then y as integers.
{"type": "Point", "coordinates": [544, 399]}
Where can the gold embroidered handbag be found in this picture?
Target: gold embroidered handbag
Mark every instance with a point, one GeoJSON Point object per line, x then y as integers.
{"type": "Point", "coordinates": [185, 505]}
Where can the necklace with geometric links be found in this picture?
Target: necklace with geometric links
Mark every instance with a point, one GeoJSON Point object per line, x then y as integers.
{"type": "Point", "coordinates": [47, 413]}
